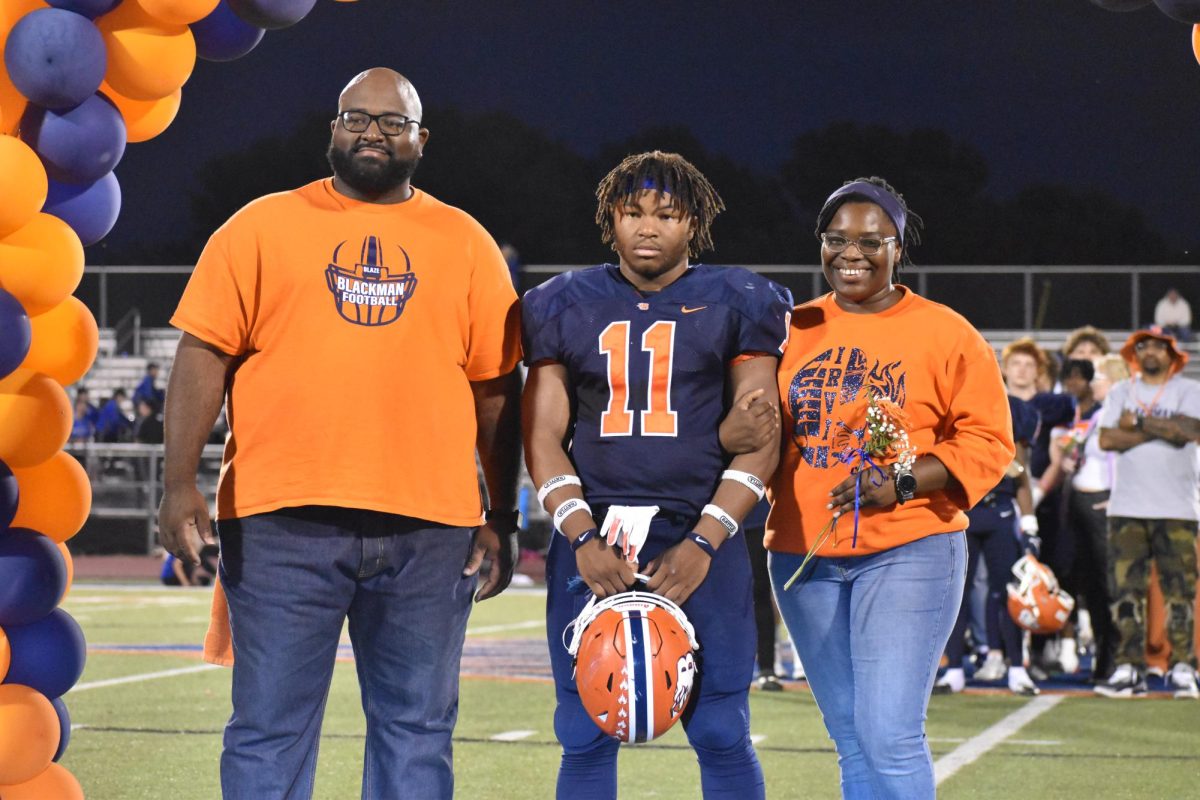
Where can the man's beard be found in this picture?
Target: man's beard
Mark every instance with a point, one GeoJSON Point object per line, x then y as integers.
{"type": "Point", "coordinates": [1152, 366]}
{"type": "Point", "coordinates": [369, 179]}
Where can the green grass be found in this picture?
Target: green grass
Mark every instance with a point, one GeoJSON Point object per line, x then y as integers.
{"type": "Point", "coordinates": [161, 738]}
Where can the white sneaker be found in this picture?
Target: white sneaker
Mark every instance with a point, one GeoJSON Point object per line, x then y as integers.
{"type": "Point", "coordinates": [1020, 683]}
{"type": "Point", "coordinates": [1155, 672]}
{"type": "Point", "coordinates": [1182, 679]}
{"type": "Point", "coordinates": [1068, 656]}
{"type": "Point", "coordinates": [993, 669]}
{"type": "Point", "coordinates": [1083, 629]}
{"type": "Point", "coordinates": [1124, 682]}
{"type": "Point", "coordinates": [951, 682]}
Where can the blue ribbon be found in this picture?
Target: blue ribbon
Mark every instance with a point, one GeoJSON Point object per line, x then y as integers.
{"type": "Point", "coordinates": [878, 476]}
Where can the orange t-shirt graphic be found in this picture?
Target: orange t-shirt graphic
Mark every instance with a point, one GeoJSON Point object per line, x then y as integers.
{"type": "Point", "coordinates": [930, 362]}
{"type": "Point", "coordinates": [358, 328]}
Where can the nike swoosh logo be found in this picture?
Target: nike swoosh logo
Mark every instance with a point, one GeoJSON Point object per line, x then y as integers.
{"type": "Point", "coordinates": [687, 310]}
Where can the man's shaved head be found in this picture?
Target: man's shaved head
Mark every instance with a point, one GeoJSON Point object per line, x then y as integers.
{"type": "Point", "coordinates": [380, 82]}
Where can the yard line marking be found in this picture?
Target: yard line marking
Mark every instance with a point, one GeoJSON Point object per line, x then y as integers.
{"type": "Point", "coordinates": [512, 736]}
{"type": "Point", "coordinates": [755, 738]}
{"type": "Point", "coordinates": [511, 626]}
{"type": "Point", "coordinates": [977, 745]}
{"type": "Point", "coordinates": [1026, 742]}
{"type": "Point", "coordinates": [145, 676]}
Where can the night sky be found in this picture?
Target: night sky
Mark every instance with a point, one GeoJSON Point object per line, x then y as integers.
{"type": "Point", "coordinates": [1057, 91]}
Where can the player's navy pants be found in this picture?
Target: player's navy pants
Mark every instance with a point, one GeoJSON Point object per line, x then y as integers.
{"type": "Point", "coordinates": [870, 631]}
{"type": "Point", "coordinates": [292, 578]}
{"type": "Point", "coordinates": [717, 721]}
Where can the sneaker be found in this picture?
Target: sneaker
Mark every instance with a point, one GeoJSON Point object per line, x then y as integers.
{"type": "Point", "coordinates": [1182, 679]}
{"type": "Point", "coordinates": [1068, 656]}
{"type": "Point", "coordinates": [993, 669]}
{"type": "Point", "coordinates": [1155, 672]}
{"type": "Point", "coordinates": [951, 682]}
{"type": "Point", "coordinates": [1020, 683]}
{"type": "Point", "coordinates": [767, 682]}
{"type": "Point", "coordinates": [1126, 681]}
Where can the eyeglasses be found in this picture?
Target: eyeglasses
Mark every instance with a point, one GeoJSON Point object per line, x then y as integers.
{"type": "Point", "coordinates": [1146, 344]}
{"type": "Point", "coordinates": [867, 245]}
{"type": "Point", "coordinates": [389, 124]}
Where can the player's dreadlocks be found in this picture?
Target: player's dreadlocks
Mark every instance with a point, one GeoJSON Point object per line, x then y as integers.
{"type": "Point", "coordinates": [912, 228]}
{"type": "Point", "coordinates": [667, 172]}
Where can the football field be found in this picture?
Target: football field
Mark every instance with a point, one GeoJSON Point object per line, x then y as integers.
{"type": "Point", "coordinates": [147, 718]}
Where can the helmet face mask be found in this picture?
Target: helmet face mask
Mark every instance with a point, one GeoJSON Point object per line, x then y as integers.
{"type": "Point", "coordinates": [634, 664]}
{"type": "Point", "coordinates": [1035, 602]}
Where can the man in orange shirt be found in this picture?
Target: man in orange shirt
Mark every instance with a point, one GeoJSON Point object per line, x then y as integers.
{"type": "Point", "coordinates": [364, 337]}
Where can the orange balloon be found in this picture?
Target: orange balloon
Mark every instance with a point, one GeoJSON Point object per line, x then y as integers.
{"type": "Point", "coordinates": [5, 654]}
{"type": "Point", "coordinates": [41, 263]}
{"type": "Point", "coordinates": [1196, 41]}
{"type": "Point", "coordinates": [66, 554]}
{"type": "Point", "coordinates": [29, 733]}
{"type": "Point", "coordinates": [23, 183]}
{"type": "Point", "coordinates": [35, 419]}
{"type": "Point", "coordinates": [55, 781]}
{"type": "Point", "coordinates": [65, 341]}
{"type": "Point", "coordinates": [53, 497]}
{"type": "Point", "coordinates": [178, 12]}
{"type": "Point", "coordinates": [147, 59]}
{"type": "Point", "coordinates": [144, 119]}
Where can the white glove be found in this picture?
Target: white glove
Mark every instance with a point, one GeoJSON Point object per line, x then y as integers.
{"type": "Point", "coordinates": [626, 528]}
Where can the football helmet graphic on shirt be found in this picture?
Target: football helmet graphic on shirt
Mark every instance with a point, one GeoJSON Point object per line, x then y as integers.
{"type": "Point", "coordinates": [370, 292]}
{"type": "Point", "coordinates": [1035, 602]}
{"type": "Point", "coordinates": [634, 664]}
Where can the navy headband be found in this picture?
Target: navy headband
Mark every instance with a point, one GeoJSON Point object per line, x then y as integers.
{"type": "Point", "coordinates": [877, 195]}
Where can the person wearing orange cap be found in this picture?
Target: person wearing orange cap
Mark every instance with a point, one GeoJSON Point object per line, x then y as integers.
{"type": "Point", "coordinates": [1153, 421]}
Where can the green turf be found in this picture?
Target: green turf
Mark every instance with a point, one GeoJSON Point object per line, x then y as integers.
{"type": "Point", "coordinates": [161, 738]}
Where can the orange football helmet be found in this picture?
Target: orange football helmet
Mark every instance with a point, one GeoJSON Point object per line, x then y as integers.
{"type": "Point", "coordinates": [1035, 602]}
{"type": "Point", "coordinates": [634, 664]}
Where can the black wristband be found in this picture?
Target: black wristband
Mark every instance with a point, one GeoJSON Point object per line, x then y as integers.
{"type": "Point", "coordinates": [583, 539]}
{"type": "Point", "coordinates": [507, 521]}
{"type": "Point", "coordinates": [1139, 423]}
{"type": "Point", "coordinates": [703, 544]}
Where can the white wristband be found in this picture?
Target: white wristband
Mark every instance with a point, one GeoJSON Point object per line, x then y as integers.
{"type": "Point", "coordinates": [567, 509]}
{"type": "Point", "coordinates": [721, 516]}
{"type": "Point", "coordinates": [556, 483]}
{"type": "Point", "coordinates": [751, 482]}
{"type": "Point", "coordinates": [1029, 525]}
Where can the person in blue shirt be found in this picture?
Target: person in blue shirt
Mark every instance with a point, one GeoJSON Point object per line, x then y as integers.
{"type": "Point", "coordinates": [111, 424]}
{"type": "Point", "coordinates": [146, 390]}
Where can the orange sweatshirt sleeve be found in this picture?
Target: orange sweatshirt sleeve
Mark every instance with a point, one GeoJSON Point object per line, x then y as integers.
{"type": "Point", "coordinates": [975, 442]}
{"type": "Point", "coordinates": [221, 299]}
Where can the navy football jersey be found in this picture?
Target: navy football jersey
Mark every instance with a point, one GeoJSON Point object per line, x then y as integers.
{"type": "Point", "coordinates": [649, 374]}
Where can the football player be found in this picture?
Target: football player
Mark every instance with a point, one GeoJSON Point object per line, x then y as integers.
{"type": "Point", "coordinates": [632, 367]}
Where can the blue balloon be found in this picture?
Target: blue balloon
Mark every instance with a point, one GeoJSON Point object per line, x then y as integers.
{"type": "Point", "coordinates": [33, 576]}
{"type": "Point", "coordinates": [91, 209]}
{"type": "Point", "coordinates": [47, 655]}
{"type": "Point", "coordinates": [224, 36]}
{"type": "Point", "coordinates": [8, 496]}
{"type": "Point", "coordinates": [55, 58]}
{"type": "Point", "coordinates": [272, 14]}
{"type": "Point", "coordinates": [1182, 10]}
{"type": "Point", "coordinates": [64, 727]}
{"type": "Point", "coordinates": [15, 333]}
{"type": "Point", "coordinates": [90, 8]}
{"type": "Point", "coordinates": [80, 145]}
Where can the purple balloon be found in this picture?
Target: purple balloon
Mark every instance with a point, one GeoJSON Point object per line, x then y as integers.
{"type": "Point", "coordinates": [15, 333]}
{"type": "Point", "coordinates": [81, 145]}
{"type": "Point", "coordinates": [47, 655]}
{"type": "Point", "coordinates": [33, 576]}
{"type": "Point", "coordinates": [93, 8]}
{"type": "Point", "coordinates": [91, 209]}
{"type": "Point", "coordinates": [1122, 5]}
{"type": "Point", "coordinates": [1182, 10]}
{"type": "Point", "coordinates": [224, 36]}
{"type": "Point", "coordinates": [55, 58]}
{"type": "Point", "coordinates": [64, 727]}
{"type": "Point", "coordinates": [272, 14]}
{"type": "Point", "coordinates": [9, 493]}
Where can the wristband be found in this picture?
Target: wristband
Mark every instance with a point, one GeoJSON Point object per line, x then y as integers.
{"type": "Point", "coordinates": [1139, 423]}
{"type": "Point", "coordinates": [583, 539]}
{"type": "Point", "coordinates": [1029, 524]}
{"type": "Point", "coordinates": [751, 482]}
{"type": "Point", "coordinates": [556, 482]}
{"type": "Point", "coordinates": [703, 544]}
{"type": "Point", "coordinates": [721, 516]}
{"type": "Point", "coordinates": [568, 508]}
{"type": "Point", "coordinates": [509, 520]}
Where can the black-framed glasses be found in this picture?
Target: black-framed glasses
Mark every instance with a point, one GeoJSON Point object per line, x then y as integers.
{"type": "Point", "coordinates": [867, 245]}
{"type": "Point", "coordinates": [389, 124]}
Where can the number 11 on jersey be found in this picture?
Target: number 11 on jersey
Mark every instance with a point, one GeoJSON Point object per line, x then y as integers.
{"type": "Point", "coordinates": [659, 419]}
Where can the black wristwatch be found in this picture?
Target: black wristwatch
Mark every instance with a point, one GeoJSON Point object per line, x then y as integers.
{"type": "Point", "coordinates": [505, 521]}
{"type": "Point", "coordinates": [906, 485]}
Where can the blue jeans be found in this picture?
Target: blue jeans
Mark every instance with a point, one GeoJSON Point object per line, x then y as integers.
{"type": "Point", "coordinates": [292, 578]}
{"type": "Point", "coordinates": [870, 631]}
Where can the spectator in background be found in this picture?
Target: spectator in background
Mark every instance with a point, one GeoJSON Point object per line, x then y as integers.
{"type": "Point", "coordinates": [177, 572]}
{"type": "Point", "coordinates": [111, 424]}
{"type": "Point", "coordinates": [1174, 315]}
{"type": "Point", "coordinates": [513, 259]}
{"type": "Point", "coordinates": [93, 413]}
{"type": "Point", "coordinates": [148, 425]}
{"type": "Point", "coordinates": [82, 429]}
{"type": "Point", "coordinates": [146, 390]}
{"type": "Point", "coordinates": [1087, 342]}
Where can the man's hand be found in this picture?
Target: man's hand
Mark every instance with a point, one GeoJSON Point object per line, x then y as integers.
{"type": "Point", "coordinates": [603, 568]}
{"type": "Point", "coordinates": [751, 424]}
{"type": "Point", "coordinates": [678, 571]}
{"type": "Point", "coordinates": [183, 523]}
{"type": "Point", "coordinates": [499, 550]}
{"type": "Point", "coordinates": [871, 495]}
{"type": "Point", "coordinates": [1128, 421]}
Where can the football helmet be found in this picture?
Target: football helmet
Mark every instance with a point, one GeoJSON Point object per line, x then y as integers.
{"type": "Point", "coordinates": [1035, 601]}
{"type": "Point", "coordinates": [634, 663]}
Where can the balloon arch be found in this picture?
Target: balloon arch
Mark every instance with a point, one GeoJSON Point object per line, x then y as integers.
{"type": "Point", "coordinates": [80, 80]}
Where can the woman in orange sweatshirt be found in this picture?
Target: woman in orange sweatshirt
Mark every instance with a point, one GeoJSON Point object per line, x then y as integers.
{"type": "Point", "coordinates": [871, 612]}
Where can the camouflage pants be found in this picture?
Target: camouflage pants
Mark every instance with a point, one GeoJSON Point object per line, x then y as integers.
{"type": "Point", "coordinates": [1172, 545]}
